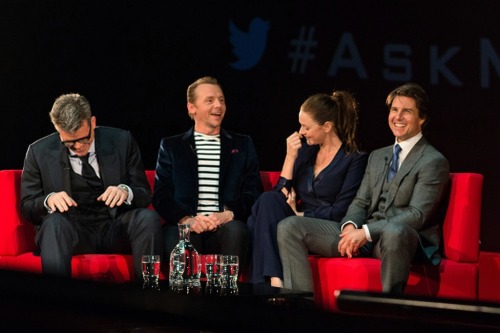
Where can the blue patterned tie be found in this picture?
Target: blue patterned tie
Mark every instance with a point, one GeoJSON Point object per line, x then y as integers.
{"type": "Point", "coordinates": [394, 165]}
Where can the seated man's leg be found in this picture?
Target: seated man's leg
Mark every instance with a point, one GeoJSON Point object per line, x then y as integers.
{"type": "Point", "coordinates": [297, 236]}
{"type": "Point", "coordinates": [144, 235]}
{"type": "Point", "coordinates": [232, 238]}
{"type": "Point", "coordinates": [56, 238]}
{"type": "Point", "coordinates": [396, 248]}
{"type": "Point", "coordinates": [170, 239]}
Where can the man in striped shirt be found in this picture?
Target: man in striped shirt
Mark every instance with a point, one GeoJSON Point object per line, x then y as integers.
{"type": "Point", "coordinates": [208, 178]}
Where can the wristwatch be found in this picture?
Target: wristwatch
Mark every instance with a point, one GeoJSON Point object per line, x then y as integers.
{"type": "Point", "coordinates": [123, 187]}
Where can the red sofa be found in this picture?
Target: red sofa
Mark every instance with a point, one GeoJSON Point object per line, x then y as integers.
{"type": "Point", "coordinates": [17, 237]}
{"type": "Point", "coordinates": [457, 276]}
{"type": "Point", "coordinates": [17, 241]}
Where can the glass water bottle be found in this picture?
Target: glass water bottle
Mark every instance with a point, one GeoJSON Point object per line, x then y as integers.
{"type": "Point", "coordinates": [185, 264]}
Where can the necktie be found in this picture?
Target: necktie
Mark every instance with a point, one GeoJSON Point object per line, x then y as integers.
{"type": "Point", "coordinates": [394, 165]}
{"type": "Point", "coordinates": [88, 171]}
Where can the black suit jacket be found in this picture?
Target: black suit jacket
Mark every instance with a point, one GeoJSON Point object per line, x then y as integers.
{"type": "Point", "coordinates": [47, 169]}
{"type": "Point", "coordinates": [175, 192]}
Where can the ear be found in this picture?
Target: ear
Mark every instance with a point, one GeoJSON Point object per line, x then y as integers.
{"type": "Point", "coordinates": [328, 126]}
{"type": "Point", "coordinates": [422, 120]}
{"type": "Point", "coordinates": [191, 110]}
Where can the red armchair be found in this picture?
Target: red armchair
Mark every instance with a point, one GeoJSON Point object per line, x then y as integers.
{"type": "Point", "coordinates": [17, 241]}
{"type": "Point", "coordinates": [456, 276]}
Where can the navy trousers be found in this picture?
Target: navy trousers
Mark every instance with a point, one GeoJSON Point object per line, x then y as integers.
{"type": "Point", "coordinates": [269, 209]}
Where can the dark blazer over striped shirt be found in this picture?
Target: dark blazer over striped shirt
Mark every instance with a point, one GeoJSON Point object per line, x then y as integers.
{"type": "Point", "coordinates": [175, 192]}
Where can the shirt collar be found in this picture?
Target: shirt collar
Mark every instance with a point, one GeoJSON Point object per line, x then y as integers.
{"type": "Point", "coordinates": [407, 145]}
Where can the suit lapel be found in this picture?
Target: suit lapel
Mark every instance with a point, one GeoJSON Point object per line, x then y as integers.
{"type": "Point", "coordinates": [60, 169]}
{"type": "Point", "coordinates": [189, 146]}
{"type": "Point", "coordinates": [381, 176]}
{"type": "Point", "coordinates": [225, 155]}
{"type": "Point", "coordinates": [109, 165]}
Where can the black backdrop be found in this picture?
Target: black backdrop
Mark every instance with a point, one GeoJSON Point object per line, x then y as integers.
{"type": "Point", "coordinates": [134, 59]}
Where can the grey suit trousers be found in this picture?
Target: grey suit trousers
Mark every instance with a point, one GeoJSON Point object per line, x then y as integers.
{"type": "Point", "coordinates": [299, 236]}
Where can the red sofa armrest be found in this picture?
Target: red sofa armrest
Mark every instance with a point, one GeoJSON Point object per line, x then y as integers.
{"type": "Point", "coordinates": [462, 223]}
{"type": "Point", "coordinates": [17, 236]}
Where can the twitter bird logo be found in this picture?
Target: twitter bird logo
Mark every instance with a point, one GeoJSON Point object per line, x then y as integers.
{"type": "Point", "coordinates": [249, 46]}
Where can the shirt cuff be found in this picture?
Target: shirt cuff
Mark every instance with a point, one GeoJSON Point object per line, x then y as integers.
{"type": "Point", "coordinates": [367, 232]}
{"type": "Point", "coordinates": [346, 223]}
{"type": "Point", "coordinates": [283, 183]}
{"type": "Point", "coordinates": [50, 211]}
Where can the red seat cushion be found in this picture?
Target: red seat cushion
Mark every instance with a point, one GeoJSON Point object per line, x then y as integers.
{"type": "Point", "coordinates": [489, 275]}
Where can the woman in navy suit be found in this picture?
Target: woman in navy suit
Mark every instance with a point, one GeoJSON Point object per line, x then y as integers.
{"type": "Point", "coordinates": [321, 173]}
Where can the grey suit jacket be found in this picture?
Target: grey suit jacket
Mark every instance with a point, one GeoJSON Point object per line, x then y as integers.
{"type": "Point", "coordinates": [47, 169]}
{"type": "Point", "coordinates": [413, 196]}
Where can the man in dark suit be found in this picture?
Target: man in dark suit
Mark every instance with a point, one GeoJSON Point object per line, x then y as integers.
{"type": "Point", "coordinates": [208, 178]}
{"type": "Point", "coordinates": [85, 190]}
{"type": "Point", "coordinates": [391, 217]}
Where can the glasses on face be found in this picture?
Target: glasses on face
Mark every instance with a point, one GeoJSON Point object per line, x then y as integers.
{"type": "Point", "coordinates": [82, 141]}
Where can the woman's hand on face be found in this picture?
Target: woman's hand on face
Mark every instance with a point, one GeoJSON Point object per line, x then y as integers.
{"type": "Point", "coordinates": [293, 144]}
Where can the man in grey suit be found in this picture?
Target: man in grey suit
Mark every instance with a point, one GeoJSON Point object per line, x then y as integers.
{"type": "Point", "coordinates": [85, 190]}
{"type": "Point", "coordinates": [392, 215]}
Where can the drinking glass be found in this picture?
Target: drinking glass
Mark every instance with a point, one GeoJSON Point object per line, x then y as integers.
{"type": "Point", "coordinates": [229, 274]}
{"type": "Point", "coordinates": [151, 271]}
{"type": "Point", "coordinates": [212, 269]}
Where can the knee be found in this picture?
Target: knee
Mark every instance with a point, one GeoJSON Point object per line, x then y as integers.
{"type": "Point", "coordinates": [56, 226]}
{"type": "Point", "coordinates": [286, 227]}
{"type": "Point", "coordinates": [268, 200]}
{"type": "Point", "coordinates": [269, 197]}
{"type": "Point", "coordinates": [236, 230]}
{"type": "Point", "coordinates": [55, 222]}
{"type": "Point", "coordinates": [147, 218]}
{"type": "Point", "coordinates": [396, 236]}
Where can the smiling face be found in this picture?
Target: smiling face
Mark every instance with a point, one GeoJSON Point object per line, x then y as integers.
{"type": "Point", "coordinates": [404, 118]}
{"type": "Point", "coordinates": [208, 109]}
{"type": "Point", "coordinates": [310, 130]}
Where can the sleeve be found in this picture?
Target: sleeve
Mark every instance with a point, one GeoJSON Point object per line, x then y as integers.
{"type": "Point", "coordinates": [32, 192]}
{"type": "Point", "coordinates": [137, 181]}
{"type": "Point", "coordinates": [170, 207]}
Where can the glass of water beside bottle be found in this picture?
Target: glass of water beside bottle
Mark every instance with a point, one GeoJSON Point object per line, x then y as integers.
{"type": "Point", "coordinates": [151, 271]}
{"type": "Point", "coordinates": [222, 274]}
{"type": "Point", "coordinates": [229, 265]}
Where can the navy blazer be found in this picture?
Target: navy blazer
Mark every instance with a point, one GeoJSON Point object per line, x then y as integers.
{"type": "Point", "coordinates": [329, 194]}
{"type": "Point", "coordinates": [175, 192]}
{"type": "Point", "coordinates": [47, 169]}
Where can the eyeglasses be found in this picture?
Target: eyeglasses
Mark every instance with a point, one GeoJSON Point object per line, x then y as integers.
{"type": "Point", "coordinates": [83, 141]}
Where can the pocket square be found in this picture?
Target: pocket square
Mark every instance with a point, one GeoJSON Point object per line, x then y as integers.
{"type": "Point", "coordinates": [234, 151]}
